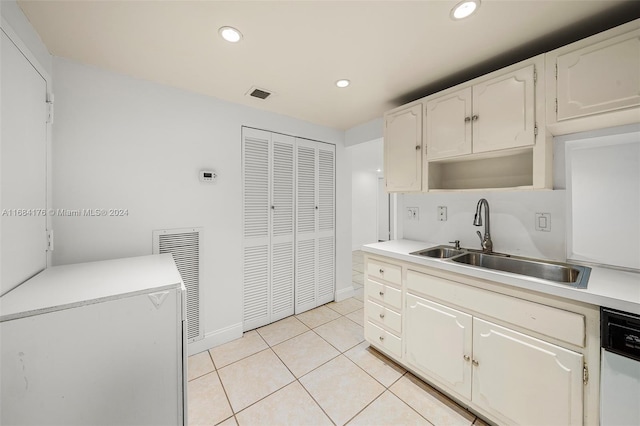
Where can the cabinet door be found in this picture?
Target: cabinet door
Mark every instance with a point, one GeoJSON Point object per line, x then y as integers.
{"type": "Point", "coordinates": [599, 78]}
{"type": "Point", "coordinates": [438, 343]}
{"type": "Point", "coordinates": [449, 125]}
{"type": "Point", "coordinates": [403, 149]}
{"type": "Point", "coordinates": [504, 111]}
{"type": "Point", "coordinates": [523, 380]}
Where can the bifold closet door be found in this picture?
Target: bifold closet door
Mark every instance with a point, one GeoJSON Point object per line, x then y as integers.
{"type": "Point", "coordinates": [268, 227]}
{"type": "Point", "coordinates": [282, 229]}
{"type": "Point", "coordinates": [315, 224]}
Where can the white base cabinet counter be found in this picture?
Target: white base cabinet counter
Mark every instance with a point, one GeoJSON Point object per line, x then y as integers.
{"type": "Point", "coordinates": [512, 356]}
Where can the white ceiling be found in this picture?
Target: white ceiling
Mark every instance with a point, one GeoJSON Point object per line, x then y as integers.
{"type": "Point", "coordinates": [392, 51]}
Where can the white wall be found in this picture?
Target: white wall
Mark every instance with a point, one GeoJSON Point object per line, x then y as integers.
{"type": "Point", "coordinates": [129, 144]}
{"type": "Point", "coordinates": [366, 159]}
{"type": "Point", "coordinates": [512, 221]}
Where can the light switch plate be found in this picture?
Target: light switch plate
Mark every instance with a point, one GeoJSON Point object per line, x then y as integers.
{"type": "Point", "coordinates": [413, 213]}
{"type": "Point", "coordinates": [543, 222]}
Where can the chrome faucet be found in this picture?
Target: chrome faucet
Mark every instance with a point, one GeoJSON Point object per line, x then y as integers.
{"type": "Point", "coordinates": [487, 244]}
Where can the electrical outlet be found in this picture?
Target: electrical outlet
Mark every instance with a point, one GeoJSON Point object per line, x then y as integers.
{"type": "Point", "coordinates": [413, 213]}
{"type": "Point", "coordinates": [543, 222]}
{"type": "Point", "coordinates": [442, 213]}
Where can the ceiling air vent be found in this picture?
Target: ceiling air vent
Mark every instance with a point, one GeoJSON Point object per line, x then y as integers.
{"type": "Point", "coordinates": [258, 93]}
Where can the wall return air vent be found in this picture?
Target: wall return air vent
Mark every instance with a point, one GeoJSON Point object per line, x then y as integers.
{"type": "Point", "coordinates": [258, 93]}
{"type": "Point", "coordinates": [186, 247]}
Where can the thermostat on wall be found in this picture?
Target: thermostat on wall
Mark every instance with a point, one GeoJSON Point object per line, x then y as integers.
{"type": "Point", "coordinates": [208, 176]}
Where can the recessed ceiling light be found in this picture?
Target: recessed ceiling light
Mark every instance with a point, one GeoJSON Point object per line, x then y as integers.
{"type": "Point", "coordinates": [343, 83]}
{"type": "Point", "coordinates": [230, 34]}
{"type": "Point", "coordinates": [464, 9]}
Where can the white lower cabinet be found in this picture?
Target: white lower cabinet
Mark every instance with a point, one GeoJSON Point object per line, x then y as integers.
{"type": "Point", "coordinates": [439, 343]}
{"type": "Point", "coordinates": [514, 377]}
{"type": "Point", "coordinates": [522, 371]}
{"type": "Point", "coordinates": [524, 380]}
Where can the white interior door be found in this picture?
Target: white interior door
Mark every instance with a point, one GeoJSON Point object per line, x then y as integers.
{"type": "Point", "coordinates": [256, 225]}
{"type": "Point", "coordinates": [282, 228]}
{"type": "Point", "coordinates": [326, 223]}
{"type": "Point", "coordinates": [306, 226]}
{"type": "Point", "coordinates": [24, 165]}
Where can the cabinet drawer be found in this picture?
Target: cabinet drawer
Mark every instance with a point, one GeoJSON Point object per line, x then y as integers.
{"type": "Point", "coordinates": [384, 316]}
{"type": "Point", "coordinates": [383, 338]}
{"type": "Point", "coordinates": [384, 271]}
{"type": "Point", "coordinates": [385, 294]}
{"type": "Point", "coordinates": [553, 322]}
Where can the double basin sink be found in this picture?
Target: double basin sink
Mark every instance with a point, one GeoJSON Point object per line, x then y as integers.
{"type": "Point", "coordinates": [562, 273]}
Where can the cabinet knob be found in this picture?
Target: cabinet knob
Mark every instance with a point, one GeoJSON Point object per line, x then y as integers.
{"type": "Point", "coordinates": [381, 315]}
{"type": "Point", "coordinates": [466, 358]}
{"type": "Point", "coordinates": [381, 271]}
{"type": "Point", "coordinates": [417, 147]}
{"type": "Point", "coordinates": [475, 363]}
{"type": "Point", "coordinates": [273, 207]}
{"type": "Point", "coordinates": [381, 338]}
{"type": "Point", "coordinates": [474, 118]}
{"type": "Point", "coordinates": [382, 293]}
{"type": "Point", "coordinates": [467, 119]}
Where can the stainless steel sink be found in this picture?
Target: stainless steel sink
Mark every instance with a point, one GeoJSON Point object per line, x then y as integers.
{"type": "Point", "coordinates": [573, 275]}
{"type": "Point", "coordinates": [440, 252]}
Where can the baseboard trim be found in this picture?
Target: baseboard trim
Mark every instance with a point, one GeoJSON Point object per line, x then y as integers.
{"type": "Point", "coordinates": [216, 338]}
{"type": "Point", "coordinates": [344, 293]}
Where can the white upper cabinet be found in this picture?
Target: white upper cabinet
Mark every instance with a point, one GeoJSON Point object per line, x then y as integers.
{"type": "Point", "coordinates": [504, 111]}
{"type": "Point", "coordinates": [492, 115]}
{"type": "Point", "coordinates": [595, 82]}
{"type": "Point", "coordinates": [448, 129]}
{"type": "Point", "coordinates": [403, 149]}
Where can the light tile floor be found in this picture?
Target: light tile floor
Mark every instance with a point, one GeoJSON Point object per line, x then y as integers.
{"type": "Point", "coordinates": [312, 369]}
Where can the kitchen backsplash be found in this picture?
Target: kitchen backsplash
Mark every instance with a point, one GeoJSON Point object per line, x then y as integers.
{"type": "Point", "coordinates": [513, 221]}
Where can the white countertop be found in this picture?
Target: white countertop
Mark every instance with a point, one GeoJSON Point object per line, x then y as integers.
{"type": "Point", "coordinates": [67, 286]}
{"type": "Point", "coordinates": [611, 288]}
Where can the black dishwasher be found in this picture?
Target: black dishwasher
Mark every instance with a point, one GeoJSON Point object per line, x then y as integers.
{"type": "Point", "coordinates": [620, 369]}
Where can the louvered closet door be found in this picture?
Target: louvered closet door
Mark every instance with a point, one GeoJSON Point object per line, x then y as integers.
{"type": "Point", "coordinates": [282, 211]}
{"type": "Point", "coordinates": [315, 224]}
{"type": "Point", "coordinates": [256, 225]}
{"type": "Point", "coordinates": [306, 213]}
{"type": "Point", "coordinates": [326, 223]}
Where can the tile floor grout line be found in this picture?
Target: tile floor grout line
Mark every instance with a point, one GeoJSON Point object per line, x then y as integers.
{"type": "Point", "coordinates": [314, 400]}
{"type": "Point", "coordinates": [366, 406]}
{"type": "Point", "coordinates": [405, 402]}
{"type": "Point", "coordinates": [239, 359]}
{"type": "Point", "coordinates": [297, 379]}
{"type": "Point", "coordinates": [212, 361]}
{"type": "Point", "coordinates": [225, 394]}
